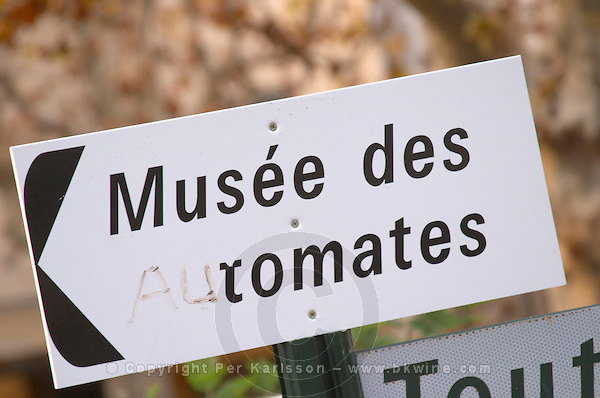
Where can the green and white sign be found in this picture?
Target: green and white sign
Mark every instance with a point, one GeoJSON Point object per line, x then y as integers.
{"type": "Point", "coordinates": [555, 355]}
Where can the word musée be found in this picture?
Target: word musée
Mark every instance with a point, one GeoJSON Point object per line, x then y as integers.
{"type": "Point", "coordinates": [268, 181]}
{"type": "Point", "coordinates": [267, 176]}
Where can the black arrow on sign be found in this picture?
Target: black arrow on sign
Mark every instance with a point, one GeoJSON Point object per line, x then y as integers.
{"type": "Point", "coordinates": [46, 184]}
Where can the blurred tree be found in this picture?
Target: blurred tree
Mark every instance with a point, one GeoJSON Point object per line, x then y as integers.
{"type": "Point", "coordinates": [69, 67]}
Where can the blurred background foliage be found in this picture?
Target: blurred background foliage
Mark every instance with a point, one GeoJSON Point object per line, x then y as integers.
{"type": "Point", "coordinates": [70, 67]}
{"type": "Point", "coordinates": [258, 376]}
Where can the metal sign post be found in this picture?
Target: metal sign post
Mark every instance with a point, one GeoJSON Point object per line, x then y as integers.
{"type": "Point", "coordinates": [322, 367]}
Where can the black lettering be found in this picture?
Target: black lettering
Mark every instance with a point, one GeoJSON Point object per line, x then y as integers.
{"type": "Point", "coordinates": [200, 208]}
{"type": "Point", "coordinates": [278, 275]}
{"type": "Point", "coordinates": [154, 177]}
{"type": "Point", "coordinates": [586, 362]}
{"type": "Point", "coordinates": [546, 381]}
{"type": "Point", "coordinates": [410, 156]}
{"type": "Point", "coordinates": [260, 183]}
{"type": "Point", "coordinates": [517, 382]}
{"type": "Point", "coordinates": [231, 191]}
{"type": "Point", "coordinates": [412, 375]}
{"type": "Point", "coordinates": [300, 177]}
{"type": "Point", "coordinates": [398, 233]}
{"type": "Point", "coordinates": [375, 253]}
{"type": "Point", "coordinates": [334, 247]}
{"type": "Point", "coordinates": [471, 233]}
{"type": "Point", "coordinates": [230, 281]}
{"type": "Point", "coordinates": [482, 389]}
{"type": "Point", "coordinates": [388, 153]}
{"type": "Point", "coordinates": [455, 148]}
{"type": "Point", "coordinates": [427, 241]}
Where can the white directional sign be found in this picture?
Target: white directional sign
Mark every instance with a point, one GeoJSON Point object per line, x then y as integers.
{"type": "Point", "coordinates": [555, 355]}
{"type": "Point", "coordinates": [193, 237]}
